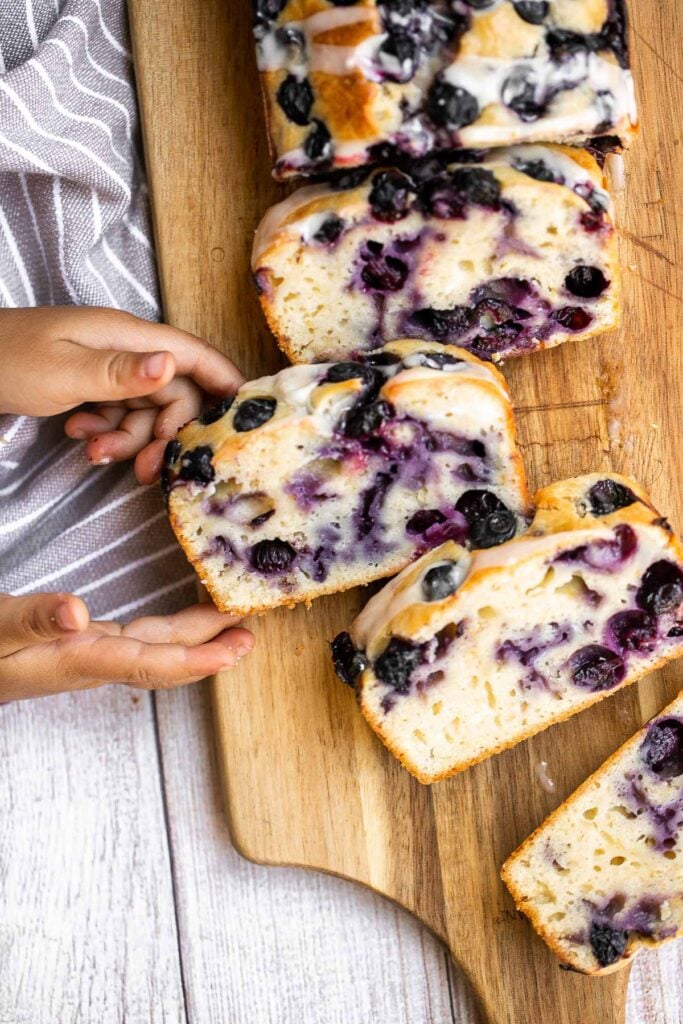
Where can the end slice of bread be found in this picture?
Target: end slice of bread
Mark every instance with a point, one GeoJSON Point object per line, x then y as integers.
{"type": "Point", "coordinates": [602, 877]}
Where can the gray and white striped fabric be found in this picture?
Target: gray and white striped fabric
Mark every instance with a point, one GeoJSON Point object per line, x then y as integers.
{"type": "Point", "coordinates": [74, 229]}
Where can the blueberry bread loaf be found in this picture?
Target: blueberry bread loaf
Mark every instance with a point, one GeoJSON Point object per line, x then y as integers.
{"type": "Point", "coordinates": [346, 83]}
{"type": "Point", "coordinates": [603, 875]}
{"type": "Point", "coordinates": [510, 254]}
{"type": "Point", "coordinates": [326, 476]}
{"type": "Point", "coordinates": [468, 652]}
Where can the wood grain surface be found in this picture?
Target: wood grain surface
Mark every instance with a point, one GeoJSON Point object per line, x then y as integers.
{"type": "Point", "coordinates": [306, 781]}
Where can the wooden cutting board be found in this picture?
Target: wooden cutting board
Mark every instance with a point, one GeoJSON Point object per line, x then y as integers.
{"type": "Point", "coordinates": [306, 781]}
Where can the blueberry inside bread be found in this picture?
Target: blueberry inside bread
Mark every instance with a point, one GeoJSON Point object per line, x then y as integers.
{"type": "Point", "coordinates": [327, 476]}
{"type": "Point", "coordinates": [511, 253]}
{"type": "Point", "coordinates": [602, 877]}
{"type": "Point", "coordinates": [347, 82]}
{"type": "Point", "coordinates": [468, 652]}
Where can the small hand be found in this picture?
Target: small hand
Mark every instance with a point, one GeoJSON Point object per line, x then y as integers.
{"type": "Point", "coordinates": [144, 380]}
{"type": "Point", "coordinates": [48, 644]}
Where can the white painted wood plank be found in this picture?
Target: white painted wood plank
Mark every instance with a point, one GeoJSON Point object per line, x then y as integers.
{"type": "Point", "coordinates": [87, 925]}
{"type": "Point", "coordinates": [282, 946]}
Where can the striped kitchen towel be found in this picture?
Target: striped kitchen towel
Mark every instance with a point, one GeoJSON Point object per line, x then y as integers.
{"type": "Point", "coordinates": [74, 228]}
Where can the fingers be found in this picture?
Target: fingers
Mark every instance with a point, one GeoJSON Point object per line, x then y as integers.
{"type": "Point", "coordinates": [84, 425]}
{"type": "Point", "coordinates": [123, 659]}
{"type": "Point", "coordinates": [26, 621]}
{"type": "Point", "coordinates": [194, 625]}
{"type": "Point", "coordinates": [95, 375]}
{"type": "Point", "coordinates": [180, 402]}
{"type": "Point", "coordinates": [149, 463]}
{"type": "Point", "coordinates": [195, 358]}
{"type": "Point", "coordinates": [135, 431]}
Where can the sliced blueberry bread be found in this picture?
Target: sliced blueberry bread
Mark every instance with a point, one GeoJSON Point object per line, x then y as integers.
{"type": "Point", "coordinates": [347, 82]}
{"type": "Point", "coordinates": [603, 875]}
{"type": "Point", "coordinates": [509, 254]}
{"type": "Point", "coordinates": [327, 476]}
{"type": "Point", "coordinates": [469, 652]}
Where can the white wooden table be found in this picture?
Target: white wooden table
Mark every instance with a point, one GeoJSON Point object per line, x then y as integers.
{"type": "Point", "coordinates": [122, 900]}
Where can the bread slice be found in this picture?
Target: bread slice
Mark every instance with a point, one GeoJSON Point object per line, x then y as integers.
{"type": "Point", "coordinates": [345, 82]}
{"type": "Point", "coordinates": [603, 875]}
{"type": "Point", "coordinates": [510, 254]}
{"type": "Point", "coordinates": [469, 652]}
{"type": "Point", "coordinates": [324, 477]}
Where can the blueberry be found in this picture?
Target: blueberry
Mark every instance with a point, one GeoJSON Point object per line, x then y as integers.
{"type": "Point", "coordinates": [533, 11]}
{"type": "Point", "coordinates": [398, 56]}
{"type": "Point", "coordinates": [478, 185]}
{"type": "Point", "coordinates": [318, 143]}
{"type": "Point", "coordinates": [262, 518]}
{"type": "Point", "coordinates": [661, 589]}
{"type": "Point", "coordinates": [372, 500]}
{"type": "Point", "coordinates": [196, 465]}
{"type": "Point", "coordinates": [586, 282]}
{"type": "Point", "coordinates": [662, 748]}
{"type": "Point", "coordinates": [287, 35]}
{"type": "Point", "coordinates": [608, 944]}
{"type": "Point", "coordinates": [632, 631]}
{"type": "Point", "coordinates": [272, 556]}
{"type": "Point", "coordinates": [607, 496]}
{"type": "Point", "coordinates": [349, 179]}
{"type": "Point", "coordinates": [348, 662]}
{"type": "Point", "coordinates": [573, 318]}
{"type": "Point", "coordinates": [383, 273]}
{"type": "Point", "coordinates": [268, 10]}
{"type": "Point", "coordinates": [395, 665]}
{"type": "Point", "coordinates": [436, 360]}
{"type": "Point", "coordinates": [403, 7]}
{"type": "Point", "coordinates": [351, 371]}
{"type": "Point", "coordinates": [214, 412]}
{"type": "Point", "coordinates": [171, 452]}
{"type": "Point", "coordinates": [596, 668]}
{"type": "Point", "coordinates": [421, 521]}
{"type": "Point", "coordinates": [519, 94]}
{"type": "Point", "coordinates": [490, 521]}
{"type": "Point", "coordinates": [390, 196]}
{"type": "Point", "coordinates": [563, 43]}
{"type": "Point", "coordinates": [440, 582]}
{"type": "Point", "coordinates": [442, 324]}
{"type": "Point", "coordinates": [253, 412]}
{"type": "Point", "coordinates": [440, 198]}
{"type": "Point", "coordinates": [480, 5]}
{"type": "Point", "coordinates": [296, 99]}
{"type": "Point", "coordinates": [364, 419]}
{"type": "Point", "coordinates": [382, 359]}
{"type": "Point", "coordinates": [537, 169]}
{"type": "Point", "coordinates": [451, 106]}
{"type": "Point", "coordinates": [330, 230]}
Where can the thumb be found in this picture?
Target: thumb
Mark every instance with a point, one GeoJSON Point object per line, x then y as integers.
{"type": "Point", "coordinates": [38, 618]}
{"type": "Point", "coordinates": [109, 375]}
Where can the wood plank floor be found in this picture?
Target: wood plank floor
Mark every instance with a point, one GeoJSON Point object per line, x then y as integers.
{"type": "Point", "coordinates": [123, 902]}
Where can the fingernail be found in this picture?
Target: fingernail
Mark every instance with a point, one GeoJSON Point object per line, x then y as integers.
{"type": "Point", "coordinates": [153, 366]}
{"type": "Point", "coordinates": [103, 460]}
{"type": "Point", "coordinates": [66, 618]}
{"type": "Point", "coordinates": [241, 650]}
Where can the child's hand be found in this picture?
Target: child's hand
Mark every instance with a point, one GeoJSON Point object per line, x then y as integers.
{"type": "Point", "coordinates": [48, 644]}
{"type": "Point", "coordinates": [144, 379]}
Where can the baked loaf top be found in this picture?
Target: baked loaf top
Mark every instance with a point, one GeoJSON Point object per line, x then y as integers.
{"type": "Point", "coordinates": [603, 875]}
{"type": "Point", "coordinates": [345, 83]}
{"type": "Point", "coordinates": [326, 476]}
{"type": "Point", "coordinates": [512, 252]}
{"type": "Point", "coordinates": [466, 653]}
